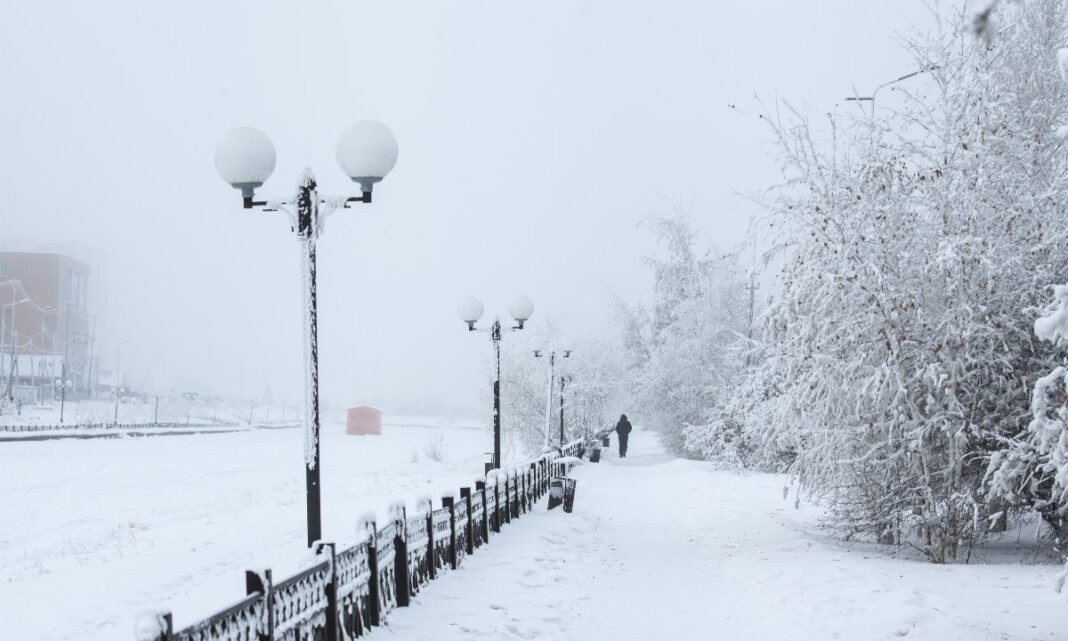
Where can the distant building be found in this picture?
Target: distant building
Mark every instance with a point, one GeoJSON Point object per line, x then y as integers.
{"type": "Point", "coordinates": [44, 321]}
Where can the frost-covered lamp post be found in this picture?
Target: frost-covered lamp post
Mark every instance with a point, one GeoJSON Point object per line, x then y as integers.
{"type": "Point", "coordinates": [470, 311]}
{"type": "Point", "coordinates": [564, 379]}
{"type": "Point", "coordinates": [245, 158]}
{"type": "Point", "coordinates": [565, 352]}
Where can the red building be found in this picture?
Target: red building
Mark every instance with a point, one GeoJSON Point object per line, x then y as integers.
{"type": "Point", "coordinates": [44, 322]}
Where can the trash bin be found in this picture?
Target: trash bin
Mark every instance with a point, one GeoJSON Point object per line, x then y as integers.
{"type": "Point", "coordinates": [569, 494]}
{"type": "Point", "coordinates": [595, 455]}
{"type": "Point", "coordinates": [556, 492]}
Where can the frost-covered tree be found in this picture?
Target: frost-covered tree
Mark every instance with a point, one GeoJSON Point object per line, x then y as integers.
{"type": "Point", "coordinates": [898, 357]}
{"type": "Point", "coordinates": [686, 353]}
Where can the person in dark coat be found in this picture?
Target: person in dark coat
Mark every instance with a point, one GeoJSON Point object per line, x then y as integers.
{"type": "Point", "coordinates": [623, 432]}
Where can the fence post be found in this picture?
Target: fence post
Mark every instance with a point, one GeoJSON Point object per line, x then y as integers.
{"type": "Point", "coordinates": [431, 564]}
{"type": "Point", "coordinates": [480, 486]}
{"type": "Point", "coordinates": [507, 501]}
{"type": "Point", "coordinates": [531, 487]}
{"type": "Point", "coordinates": [469, 541]}
{"type": "Point", "coordinates": [162, 621]}
{"type": "Point", "coordinates": [450, 503]}
{"type": "Point", "coordinates": [515, 493]}
{"type": "Point", "coordinates": [374, 610]}
{"type": "Point", "coordinates": [496, 504]}
{"type": "Point", "coordinates": [256, 584]}
{"type": "Point", "coordinates": [523, 509]}
{"type": "Point", "coordinates": [331, 593]}
{"type": "Point", "coordinates": [400, 562]}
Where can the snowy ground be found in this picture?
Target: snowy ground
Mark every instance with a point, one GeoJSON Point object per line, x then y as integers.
{"type": "Point", "coordinates": [93, 532]}
{"type": "Point", "coordinates": [660, 548]}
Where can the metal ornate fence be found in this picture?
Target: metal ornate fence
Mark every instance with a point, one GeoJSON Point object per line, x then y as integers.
{"type": "Point", "coordinates": [353, 590]}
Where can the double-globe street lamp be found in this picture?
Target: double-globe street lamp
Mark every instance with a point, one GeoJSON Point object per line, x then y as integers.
{"type": "Point", "coordinates": [245, 158]}
{"type": "Point", "coordinates": [565, 352]}
{"type": "Point", "coordinates": [470, 311]}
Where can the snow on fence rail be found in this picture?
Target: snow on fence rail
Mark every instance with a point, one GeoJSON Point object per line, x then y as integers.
{"type": "Point", "coordinates": [117, 426]}
{"type": "Point", "coordinates": [350, 591]}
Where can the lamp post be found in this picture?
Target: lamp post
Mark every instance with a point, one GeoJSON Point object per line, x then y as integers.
{"type": "Point", "coordinates": [245, 158]}
{"type": "Point", "coordinates": [564, 352]}
{"type": "Point", "coordinates": [470, 311]}
{"type": "Point", "coordinates": [563, 380]}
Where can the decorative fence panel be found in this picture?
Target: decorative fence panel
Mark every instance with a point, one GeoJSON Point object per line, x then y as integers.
{"type": "Point", "coordinates": [299, 604]}
{"type": "Point", "coordinates": [442, 519]}
{"type": "Point", "coordinates": [239, 622]}
{"type": "Point", "coordinates": [348, 592]}
{"type": "Point", "coordinates": [353, 591]}
{"type": "Point", "coordinates": [461, 531]}
{"type": "Point", "coordinates": [418, 552]}
{"type": "Point", "coordinates": [513, 499]}
{"type": "Point", "coordinates": [491, 509]}
{"type": "Point", "coordinates": [478, 519]}
{"type": "Point", "coordinates": [503, 500]}
{"type": "Point", "coordinates": [386, 567]}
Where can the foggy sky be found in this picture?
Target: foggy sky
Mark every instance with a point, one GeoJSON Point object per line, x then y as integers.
{"type": "Point", "coordinates": [533, 138]}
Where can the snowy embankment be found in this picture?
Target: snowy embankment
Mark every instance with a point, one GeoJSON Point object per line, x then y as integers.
{"type": "Point", "coordinates": [94, 532]}
{"type": "Point", "coordinates": [661, 548]}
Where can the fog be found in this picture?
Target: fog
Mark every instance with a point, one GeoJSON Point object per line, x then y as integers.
{"type": "Point", "coordinates": [533, 138]}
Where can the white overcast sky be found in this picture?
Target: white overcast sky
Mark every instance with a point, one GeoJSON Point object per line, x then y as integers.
{"type": "Point", "coordinates": [533, 137]}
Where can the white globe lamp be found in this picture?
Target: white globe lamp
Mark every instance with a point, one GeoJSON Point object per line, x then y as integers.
{"type": "Point", "coordinates": [367, 152]}
{"type": "Point", "coordinates": [470, 311]}
{"type": "Point", "coordinates": [245, 158]}
{"type": "Point", "coordinates": [521, 309]}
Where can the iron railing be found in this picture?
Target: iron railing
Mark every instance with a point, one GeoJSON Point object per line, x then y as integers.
{"type": "Point", "coordinates": [347, 593]}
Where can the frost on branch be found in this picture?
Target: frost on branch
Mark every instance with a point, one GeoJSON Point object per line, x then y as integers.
{"type": "Point", "coordinates": [1053, 327]}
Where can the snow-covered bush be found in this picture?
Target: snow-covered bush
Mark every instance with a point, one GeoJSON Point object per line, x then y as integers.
{"type": "Point", "coordinates": [434, 448]}
{"type": "Point", "coordinates": [1033, 472]}
{"type": "Point", "coordinates": [897, 359]}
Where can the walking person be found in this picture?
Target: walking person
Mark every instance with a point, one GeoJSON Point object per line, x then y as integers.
{"type": "Point", "coordinates": [623, 429]}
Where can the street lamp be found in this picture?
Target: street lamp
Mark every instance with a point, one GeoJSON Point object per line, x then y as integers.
{"type": "Point", "coordinates": [245, 158]}
{"type": "Point", "coordinates": [565, 350]}
{"type": "Point", "coordinates": [470, 311]}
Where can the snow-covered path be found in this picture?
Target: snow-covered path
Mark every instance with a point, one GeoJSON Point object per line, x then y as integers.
{"type": "Point", "coordinates": [665, 548]}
